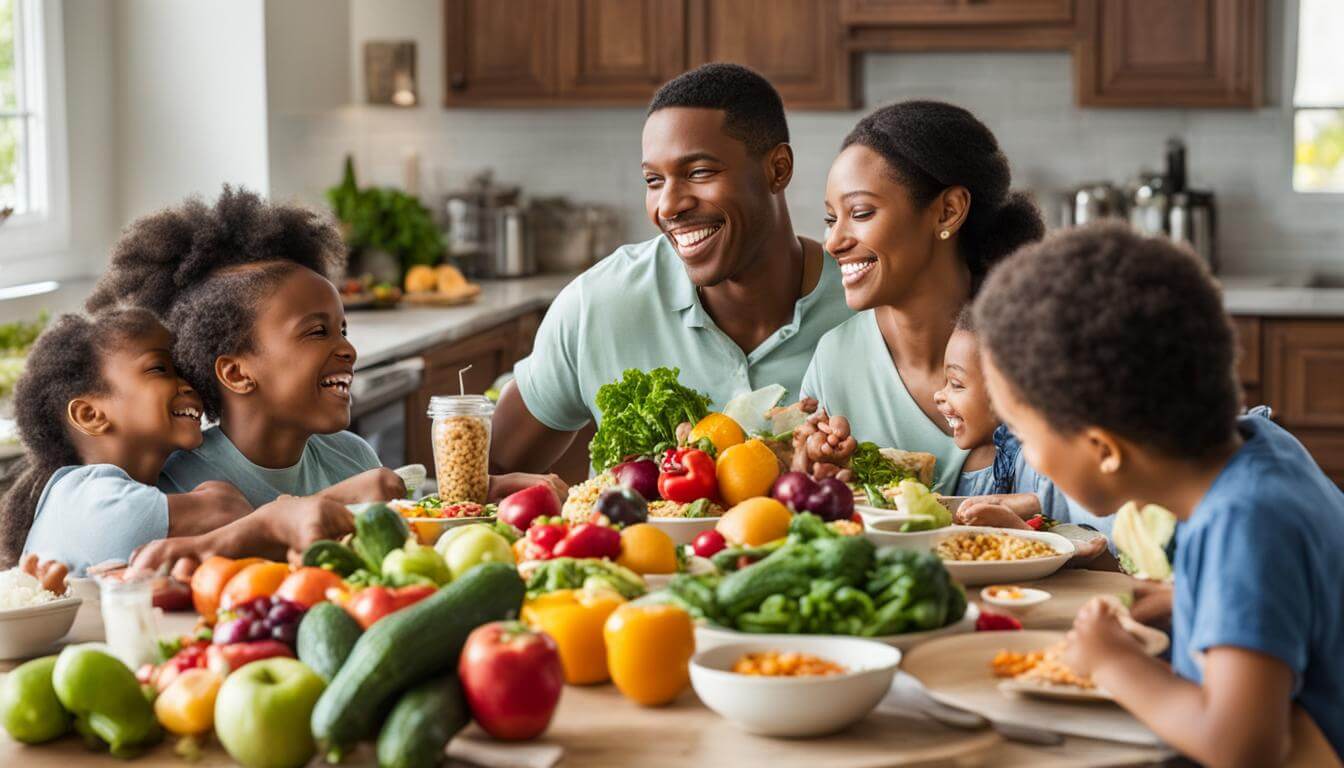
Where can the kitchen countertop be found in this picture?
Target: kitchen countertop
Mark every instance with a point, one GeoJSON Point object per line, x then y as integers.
{"type": "Point", "coordinates": [1285, 302]}
{"type": "Point", "coordinates": [385, 335]}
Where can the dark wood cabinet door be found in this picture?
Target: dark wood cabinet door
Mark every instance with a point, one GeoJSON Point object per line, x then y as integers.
{"type": "Point", "coordinates": [1304, 372]}
{"type": "Point", "coordinates": [499, 51]}
{"type": "Point", "coordinates": [619, 50]}
{"type": "Point", "coordinates": [954, 12]}
{"type": "Point", "coordinates": [1170, 53]}
{"type": "Point", "coordinates": [797, 44]}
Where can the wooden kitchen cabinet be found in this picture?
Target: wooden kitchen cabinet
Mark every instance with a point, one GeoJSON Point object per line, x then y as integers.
{"type": "Point", "coordinates": [1249, 359]}
{"type": "Point", "coordinates": [797, 44]}
{"type": "Point", "coordinates": [619, 50]}
{"type": "Point", "coordinates": [1170, 53]}
{"type": "Point", "coordinates": [1303, 373]}
{"type": "Point", "coordinates": [499, 52]}
{"type": "Point", "coordinates": [954, 12]}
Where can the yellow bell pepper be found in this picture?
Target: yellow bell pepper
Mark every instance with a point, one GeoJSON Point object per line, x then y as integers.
{"type": "Point", "coordinates": [187, 706]}
{"type": "Point", "coordinates": [649, 649]}
{"type": "Point", "coordinates": [574, 619]}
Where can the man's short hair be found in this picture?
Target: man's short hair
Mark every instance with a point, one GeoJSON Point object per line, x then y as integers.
{"type": "Point", "coordinates": [753, 111]}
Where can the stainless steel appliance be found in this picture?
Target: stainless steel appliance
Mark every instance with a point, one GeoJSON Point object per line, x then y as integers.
{"type": "Point", "coordinates": [1092, 201]}
{"type": "Point", "coordinates": [1191, 216]}
{"type": "Point", "coordinates": [470, 217]}
{"type": "Point", "coordinates": [1148, 201]}
{"type": "Point", "coordinates": [378, 407]}
{"type": "Point", "coordinates": [510, 243]}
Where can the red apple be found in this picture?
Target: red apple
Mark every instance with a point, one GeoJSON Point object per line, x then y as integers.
{"type": "Point", "coordinates": [512, 679]}
{"type": "Point", "coordinates": [521, 508]}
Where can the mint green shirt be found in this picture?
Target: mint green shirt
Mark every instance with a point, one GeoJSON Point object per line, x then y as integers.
{"type": "Point", "coordinates": [852, 375]}
{"type": "Point", "coordinates": [326, 460]}
{"type": "Point", "coordinates": [638, 309]}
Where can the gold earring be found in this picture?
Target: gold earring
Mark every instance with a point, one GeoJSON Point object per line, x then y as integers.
{"type": "Point", "coordinates": [1110, 466]}
{"type": "Point", "coordinates": [944, 235]}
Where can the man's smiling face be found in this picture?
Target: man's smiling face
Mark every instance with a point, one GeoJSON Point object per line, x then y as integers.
{"type": "Point", "coordinates": [705, 191]}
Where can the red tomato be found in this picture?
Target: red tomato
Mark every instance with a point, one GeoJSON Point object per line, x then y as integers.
{"type": "Point", "coordinates": [308, 586]}
{"type": "Point", "coordinates": [708, 543]}
{"type": "Point", "coordinates": [512, 679]}
{"type": "Point", "coordinates": [521, 508]}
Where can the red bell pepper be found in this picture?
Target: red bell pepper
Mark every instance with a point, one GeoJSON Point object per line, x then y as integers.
{"type": "Point", "coordinates": [190, 656]}
{"type": "Point", "coordinates": [590, 540]}
{"type": "Point", "coordinates": [226, 658]}
{"type": "Point", "coordinates": [373, 603]}
{"type": "Point", "coordinates": [687, 476]}
{"type": "Point", "coordinates": [512, 679]}
{"type": "Point", "coordinates": [996, 622]}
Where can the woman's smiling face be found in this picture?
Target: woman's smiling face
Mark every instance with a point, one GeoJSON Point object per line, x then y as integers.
{"type": "Point", "coordinates": [301, 361]}
{"type": "Point", "coordinates": [875, 231]}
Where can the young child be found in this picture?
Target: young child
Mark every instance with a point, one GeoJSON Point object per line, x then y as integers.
{"type": "Point", "coordinates": [100, 408]}
{"type": "Point", "coordinates": [260, 336]}
{"type": "Point", "coordinates": [1111, 357]}
{"type": "Point", "coordinates": [1004, 490]}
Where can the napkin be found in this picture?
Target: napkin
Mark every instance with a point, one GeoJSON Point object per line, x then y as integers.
{"type": "Point", "coordinates": [476, 748]}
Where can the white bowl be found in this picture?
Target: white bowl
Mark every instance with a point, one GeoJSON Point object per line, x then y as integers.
{"type": "Point", "coordinates": [975, 573]}
{"type": "Point", "coordinates": [796, 706]}
{"type": "Point", "coordinates": [27, 632]}
{"type": "Point", "coordinates": [884, 530]}
{"type": "Point", "coordinates": [427, 530]}
{"type": "Point", "coordinates": [1030, 599]}
{"type": "Point", "coordinates": [683, 530]}
{"type": "Point", "coordinates": [712, 635]}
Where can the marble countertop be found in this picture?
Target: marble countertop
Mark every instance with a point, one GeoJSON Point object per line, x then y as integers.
{"type": "Point", "coordinates": [386, 335]}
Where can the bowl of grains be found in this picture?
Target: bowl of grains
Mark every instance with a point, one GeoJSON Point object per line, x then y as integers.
{"type": "Point", "coordinates": [797, 686]}
{"type": "Point", "coordinates": [976, 555]}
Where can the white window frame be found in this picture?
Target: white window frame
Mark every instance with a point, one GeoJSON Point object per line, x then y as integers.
{"type": "Point", "coordinates": [35, 245]}
{"type": "Point", "coordinates": [1297, 104]}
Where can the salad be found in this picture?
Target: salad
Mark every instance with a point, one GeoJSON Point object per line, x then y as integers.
{"type": "Point", "coordinates": [433, 506]}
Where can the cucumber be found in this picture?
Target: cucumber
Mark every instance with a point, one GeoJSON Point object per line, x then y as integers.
{"type": "Point", "coordinates": [379, 529]}
{"type": "Point", "coordinates": [422, 723]}
{"type": "Point", "coordinates": [327, 634]}
{"type": "Point", "coordinates": [333, 556]}
{"type": "Point", "coordinates": [411, 645]}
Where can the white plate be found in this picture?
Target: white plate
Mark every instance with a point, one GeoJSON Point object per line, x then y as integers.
{"type": "Point", "coordinates": [695, 566]}
{"type": "Point", "coordinates": [1050, 692]}
{"type": "Point", "coordinates": [796, 706]}
{"type": "Point", "coordinates": [981, 572]}
{"type": "Point", "coordinates": [683, 530]}
{"type": "Point", "coordinates": [1030, 599]}
{"type": "Point", "coordinates": [707, 635]}
{"type": "Point", "coordinates": [427, 530]}
{"type": "Point", "coordinates": [27, 632]}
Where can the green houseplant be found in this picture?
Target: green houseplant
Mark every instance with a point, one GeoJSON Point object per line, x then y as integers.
{"type": "Point", "coordinates": [386, 219]}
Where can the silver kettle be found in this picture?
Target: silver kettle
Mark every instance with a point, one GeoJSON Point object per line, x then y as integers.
{"type": "Point", "coordinates": [1092, 201]}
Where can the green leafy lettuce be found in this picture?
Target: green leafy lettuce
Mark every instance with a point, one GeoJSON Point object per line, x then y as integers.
{"type": "Point", "coordinates": [870, 467]}
{"type": "Point", "coordinates": [640, 414]}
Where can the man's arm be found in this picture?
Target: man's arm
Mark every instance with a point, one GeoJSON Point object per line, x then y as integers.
{"type": "Point", "coordinates": [208, 506]}
{"type": "Point", "coordinates": [520, 442]}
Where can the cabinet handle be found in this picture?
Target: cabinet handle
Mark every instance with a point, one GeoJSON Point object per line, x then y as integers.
{"type": "Point", "coordinates": [457, 81]}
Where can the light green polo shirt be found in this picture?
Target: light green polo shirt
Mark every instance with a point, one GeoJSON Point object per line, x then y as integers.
{"type": "Point", "coordinates": [852, 375]}
{"type": "Point", "coordinates": [638, 309]}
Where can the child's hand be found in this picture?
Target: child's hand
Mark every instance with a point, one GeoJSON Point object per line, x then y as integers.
{"type": "Point", "coordinates": [381, 484]}
{"type": "Point", "coordinates": [1096, 637]}
{"type": "Point", "coordinates": [988, 514]}
{"type": "Point", "coordinates": [297, 521]}
{"type": "Point", "coordinates": [503, 485]}
{"type": "Point", "coordinates": [1152, 604]}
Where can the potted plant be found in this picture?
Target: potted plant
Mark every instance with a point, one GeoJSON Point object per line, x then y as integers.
{"type": "Point", "coordinates": [388, 231]}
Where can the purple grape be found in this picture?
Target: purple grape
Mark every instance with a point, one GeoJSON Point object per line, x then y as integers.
{"type": "Point", "coordinates": [231, 631]}
{"type": "Point", "coordinates": [258, 631]}
{"type": "Point", "coordinates": [286, 633]}
{"type": "Point", "coordinates": [283, 614]}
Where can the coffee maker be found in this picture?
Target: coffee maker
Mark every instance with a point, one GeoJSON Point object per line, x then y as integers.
{"type": "Point", "coordinates": [1191, 215]}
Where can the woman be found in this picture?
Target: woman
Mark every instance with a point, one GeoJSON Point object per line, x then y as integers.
{"type": "Point", "coordinates": [918, 208]}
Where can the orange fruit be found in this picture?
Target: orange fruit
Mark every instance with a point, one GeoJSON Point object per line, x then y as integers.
{"type": "Point", "coordinates": [645, 548]}
{"type": "Point", "coordinates": [256, 580]}
{"type": "Point", "coordinates": [208, 581]}
{"type": "Point", "coordinates": [308, 586]}
{"type": "Point", "coordinates": [745, 471]}
{"type": "Point", "coordinates": [723, 431]}
{"type": "Point", "coordinates": [755, 522]}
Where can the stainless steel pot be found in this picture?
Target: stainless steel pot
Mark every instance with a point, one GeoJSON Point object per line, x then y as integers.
{"type": "Point", "coordinates": [511, 248]}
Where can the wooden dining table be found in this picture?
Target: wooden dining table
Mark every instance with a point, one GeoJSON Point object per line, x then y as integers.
{"type": "Point", "coordinates": [596, 726]}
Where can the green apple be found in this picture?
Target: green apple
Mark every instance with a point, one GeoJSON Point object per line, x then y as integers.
{"type": "Point", "coordinates": [263, 710]}
{"type": "Point", "coordinates": [468, 546]}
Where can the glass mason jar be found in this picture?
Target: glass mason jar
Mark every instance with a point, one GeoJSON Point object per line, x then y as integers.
{"type": "Point", "coordinates": [460, 433]}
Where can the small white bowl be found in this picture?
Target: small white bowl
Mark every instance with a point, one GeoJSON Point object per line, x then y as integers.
{"type": "Point", "coordinates": [427, 530]}
{"type": "Point", "coordinates": [683, 530]}
{"type": "Point", "coordinates": [975, 573]}
{"type": "Point", "coordinates": [884, 530]}
{"type": "Point", "coordinates": [1031, 598]}
{"type": "Point", "coordinates": [27, 632]}
{"type": "Point", "coordinates": [796, 706]}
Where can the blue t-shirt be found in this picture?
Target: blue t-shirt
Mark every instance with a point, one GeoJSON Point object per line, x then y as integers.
{"type": "Point", "coordinates": [326, 460]}
{"type": "Point", "coordinates": [94, 513]}
{"type": "Point", "coordinates": [1259, 566]}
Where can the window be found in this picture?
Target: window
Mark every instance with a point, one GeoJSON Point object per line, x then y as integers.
{"type": "Point", "coordinates": [1318, 98]}
{"type": "Point", "coordinates": [33, 170]}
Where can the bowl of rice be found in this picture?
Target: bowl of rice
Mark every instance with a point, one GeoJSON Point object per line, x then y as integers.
{"type": "Point", "coordinates": [32, 618]}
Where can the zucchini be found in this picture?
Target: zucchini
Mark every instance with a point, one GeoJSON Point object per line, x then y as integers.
{"type": "Point", "coordinates": [422, 723]}
{"type": "Point", "coordinates": [784, 572]}
{"type": "Point", "coordinates": [413, 644]}
{"type": "Point", "coordinates": [333, 556]}
{"type": "Point", "coordinates": [379, 529]}
{"type": "Point", "coordinates": [326, 636]}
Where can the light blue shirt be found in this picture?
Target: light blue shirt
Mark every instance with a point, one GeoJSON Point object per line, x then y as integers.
{"type": "Point", "coordinates": [638, 309]}
{"type": "Point", "coordinates": [1258, 566]}
{"type": "Point", "coordinates": [94, 513]}
{"type": "Point", "coordinates": [326, 460]}
{"type": "Point", "coordinates": [852, 375]}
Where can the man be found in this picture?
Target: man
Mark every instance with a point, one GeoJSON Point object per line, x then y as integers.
{"type": "Point", "coordinates": [727, 292]}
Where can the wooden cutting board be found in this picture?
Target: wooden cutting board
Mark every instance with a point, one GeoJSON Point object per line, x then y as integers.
{"type": "Point", "coordinates": [956, 671]}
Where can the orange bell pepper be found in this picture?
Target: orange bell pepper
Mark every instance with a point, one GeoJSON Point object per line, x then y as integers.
{"type": "Point", "coordinates": [574, 619]}
{"type": "Point", "coordinates": [187, 706]}
{"type": "Point", "coordinates": [649, 649]}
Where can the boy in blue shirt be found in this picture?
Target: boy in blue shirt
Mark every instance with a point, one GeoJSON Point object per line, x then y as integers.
{"type": "Point", "coordinates": [1111, 357]}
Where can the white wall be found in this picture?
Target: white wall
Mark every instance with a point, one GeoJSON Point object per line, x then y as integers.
{"type": "Point", "coordinates": [1026, 98]}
